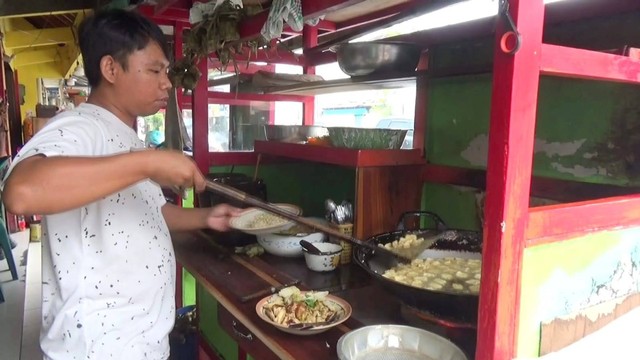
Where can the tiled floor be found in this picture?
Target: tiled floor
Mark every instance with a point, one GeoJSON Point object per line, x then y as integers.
{"type": "Point", "coordinates": [20, 313]}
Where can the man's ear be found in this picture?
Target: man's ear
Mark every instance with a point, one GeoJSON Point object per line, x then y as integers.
{"type": "Point", "coordinates": [109, 68]}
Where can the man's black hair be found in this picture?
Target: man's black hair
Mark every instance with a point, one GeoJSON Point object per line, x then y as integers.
{"type": "Point", "coordinates": [117, 33]}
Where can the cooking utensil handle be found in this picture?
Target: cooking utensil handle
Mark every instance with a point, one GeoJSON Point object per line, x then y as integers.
{"type": "Point", "coordinates": [250, 200]}
{"type": "Point", "coordinates": [440, 225]}
{"type": "Point", "coordinates": [264, 292]}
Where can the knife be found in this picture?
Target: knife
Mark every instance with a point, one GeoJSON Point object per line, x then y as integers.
{"type": "Point", "coordinates": [264, 292]}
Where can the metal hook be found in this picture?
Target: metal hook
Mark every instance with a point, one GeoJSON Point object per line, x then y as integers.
{"type": "Point", "coordinates": [511, 40]}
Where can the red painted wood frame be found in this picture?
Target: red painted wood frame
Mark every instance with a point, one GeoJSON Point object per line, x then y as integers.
{"type": "Point", "coordinates": [511, 137]}
{"type": "Point", "coordinates": [309, 40]}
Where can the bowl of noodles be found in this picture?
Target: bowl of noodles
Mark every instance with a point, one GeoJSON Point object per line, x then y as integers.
{"type": "Point", "coordinates": [303, 312]}
{"type": "Point", "coordinates": [257, 221]}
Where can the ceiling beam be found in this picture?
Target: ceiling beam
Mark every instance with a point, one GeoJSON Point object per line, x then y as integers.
{"type": "Point", "coordinates": [312, 9]}
{"type": "Point", "coordinates": [14, 8]}
{"type": "Point", "coordinates": [73, 57]}
{"type": "Point", "coordinates": [33, 57]}
{"type": "Point", "coordinates": [20, 39]}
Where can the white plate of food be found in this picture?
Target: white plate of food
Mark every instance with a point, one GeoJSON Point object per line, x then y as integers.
{"type": "Point", "coordinates": [303, 312]}
{"type": "Point", "coordinates": [257, 221]}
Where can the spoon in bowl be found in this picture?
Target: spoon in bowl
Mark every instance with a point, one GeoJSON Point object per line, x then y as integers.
{"type": "Point", "coordinates": [311, 248]}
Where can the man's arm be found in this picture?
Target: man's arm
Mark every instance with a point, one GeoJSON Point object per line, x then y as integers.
{"type": "Point", "coordinates": [181, 219]}
{"type": "Point", "coordinates": [48, 185]}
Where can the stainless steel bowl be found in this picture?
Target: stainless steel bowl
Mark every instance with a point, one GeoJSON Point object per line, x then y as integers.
{"type": "Point", "coordinates": [396, 342]}
{"type": "Point", "coordinates": [364, 58]}
{"type": "Point", "coordinates": [293, 133]}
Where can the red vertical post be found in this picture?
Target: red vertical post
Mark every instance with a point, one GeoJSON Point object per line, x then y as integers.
{"type": "Point", "coordinates": [422, 94]}
{"type": "Point", "coordinates": [309, 40]}
{"type": "Point", "coordinates": [200, 109]}
{"type": "Point", "coordinates": [511, 138]}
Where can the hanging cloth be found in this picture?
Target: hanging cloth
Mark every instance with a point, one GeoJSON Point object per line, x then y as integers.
{"type": "Point", "coordinates": [281, 11]}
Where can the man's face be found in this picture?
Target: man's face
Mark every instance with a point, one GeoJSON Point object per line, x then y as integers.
{"type": "Point", "coordinates": [144, 87]}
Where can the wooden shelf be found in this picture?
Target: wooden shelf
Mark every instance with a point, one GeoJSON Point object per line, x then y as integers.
{"type": "Point", "coordinates": [340, 156]}
{"type": "Point", "coordinates": [356, 83]}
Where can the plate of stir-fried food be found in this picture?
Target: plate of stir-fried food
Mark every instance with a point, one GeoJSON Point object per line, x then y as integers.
{"type": "Point", "coordinates": [303, 312]}
{"type": "Point", "coordinates": [257, 221]}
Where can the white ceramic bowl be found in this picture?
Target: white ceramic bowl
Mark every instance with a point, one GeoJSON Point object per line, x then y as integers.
{"type": "Point", "coordinates": [287, 245]}
{"type": "Point", "coordinates": [323, 262]}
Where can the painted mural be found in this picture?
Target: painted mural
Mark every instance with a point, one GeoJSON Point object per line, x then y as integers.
{"type": "Point", "coordinates": [564, 278]}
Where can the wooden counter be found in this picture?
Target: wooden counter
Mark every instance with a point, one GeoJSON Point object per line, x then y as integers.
{"type": "Point", "coordinates": [229, 277]}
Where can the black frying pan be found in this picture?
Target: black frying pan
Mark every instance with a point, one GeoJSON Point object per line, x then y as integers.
{"type": "Point", "coordinates": [454, 306]}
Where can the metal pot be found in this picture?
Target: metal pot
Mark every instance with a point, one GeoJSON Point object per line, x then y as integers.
{"type": "Point", "coordinates": [454, 306]}
{"type": "Point", "coordinates": [364, 58]}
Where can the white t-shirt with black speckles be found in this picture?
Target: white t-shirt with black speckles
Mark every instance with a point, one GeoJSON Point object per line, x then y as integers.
{"type": "Point", "coordinates": [108, 268]}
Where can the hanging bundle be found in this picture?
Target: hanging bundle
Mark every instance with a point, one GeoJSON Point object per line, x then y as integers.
{"type": "Point", "coordinates": [217, 33]}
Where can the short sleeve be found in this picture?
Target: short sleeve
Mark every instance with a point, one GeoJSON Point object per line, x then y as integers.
{"type": "Point", "coordinates": [66, 135]}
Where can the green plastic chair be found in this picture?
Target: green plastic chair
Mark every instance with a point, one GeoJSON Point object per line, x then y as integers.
{"type": "Point", "coordinates": [5, 244]}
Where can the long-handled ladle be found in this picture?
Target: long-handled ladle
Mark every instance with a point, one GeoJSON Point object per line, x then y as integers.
{"type": "Point", "coordinates": [254, 201]}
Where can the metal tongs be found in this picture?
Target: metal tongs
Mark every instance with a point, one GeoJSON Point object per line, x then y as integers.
{"type": "Point", "coordinates": [235, 194]}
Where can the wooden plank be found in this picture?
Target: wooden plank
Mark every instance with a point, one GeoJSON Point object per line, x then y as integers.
{"type": "Point", "coordinates": [247, 99]}
{"type": "Point", "coordinates": [511, 137]}
{"type": "Point", "coordinates": [15, 8]}
{"type": "Point", "coordinates": [585, 64]}
{"type": "Point", "coordinates": [36, 56]}
{"type": "Point", "coordinates": [201, 264]}
{"type": "Point", "coordinates": [232, 158]}
{"type": "Point", "coordinates": [548, 188]}
{"type": "Point", "coordinates": [548, 224]}
{"type": "Point", "coordinates": [340, 156]}
{"type": "Point", "coordinates": [368, 82]}
{"type": "Point", "coordinates": [373, 9]}
{"type": "Point", "coordinates": [560, 333]}
{"type": "Point", "coordinates": [382, 195]}
{"type": "Point", "coordinates": [20, 39]}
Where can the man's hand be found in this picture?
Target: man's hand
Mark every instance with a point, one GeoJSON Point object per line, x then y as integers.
{"type": "Point", "coordinates": [219, 216]}
{"type": "Point", "coordinates": [174, 169]}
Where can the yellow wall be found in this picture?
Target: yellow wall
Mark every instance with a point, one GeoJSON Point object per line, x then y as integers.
{"type": "Point", "coordinates": [28, 75]}
{"type": "Point", "coordinates": [64, 63]}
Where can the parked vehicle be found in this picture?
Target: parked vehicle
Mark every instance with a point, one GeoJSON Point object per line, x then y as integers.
{"type": "Point", "coordinates": [401, 124]}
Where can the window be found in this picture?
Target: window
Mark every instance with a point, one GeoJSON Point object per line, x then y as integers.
{"type": "Point", "coordinates": [366, 108]}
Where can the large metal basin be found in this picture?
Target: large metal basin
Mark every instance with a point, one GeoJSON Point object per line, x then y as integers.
{"type": "Point", "coordinates": [365, 58]}
{"type": "Point", "coordinates": [396, 342]}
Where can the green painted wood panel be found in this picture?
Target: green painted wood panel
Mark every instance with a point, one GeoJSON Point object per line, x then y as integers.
{"type": "Point", "coordinates": [217, 338]}
{"type": "Point", "coordinates": [304, 184]}
{"type": "Point", "coordinates": [454, 204]}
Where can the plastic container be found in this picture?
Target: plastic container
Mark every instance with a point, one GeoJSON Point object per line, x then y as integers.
{"type": "Point", "coordinates": [35, 231]}
{"type": "Point", "coordinates": [347, 229]}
